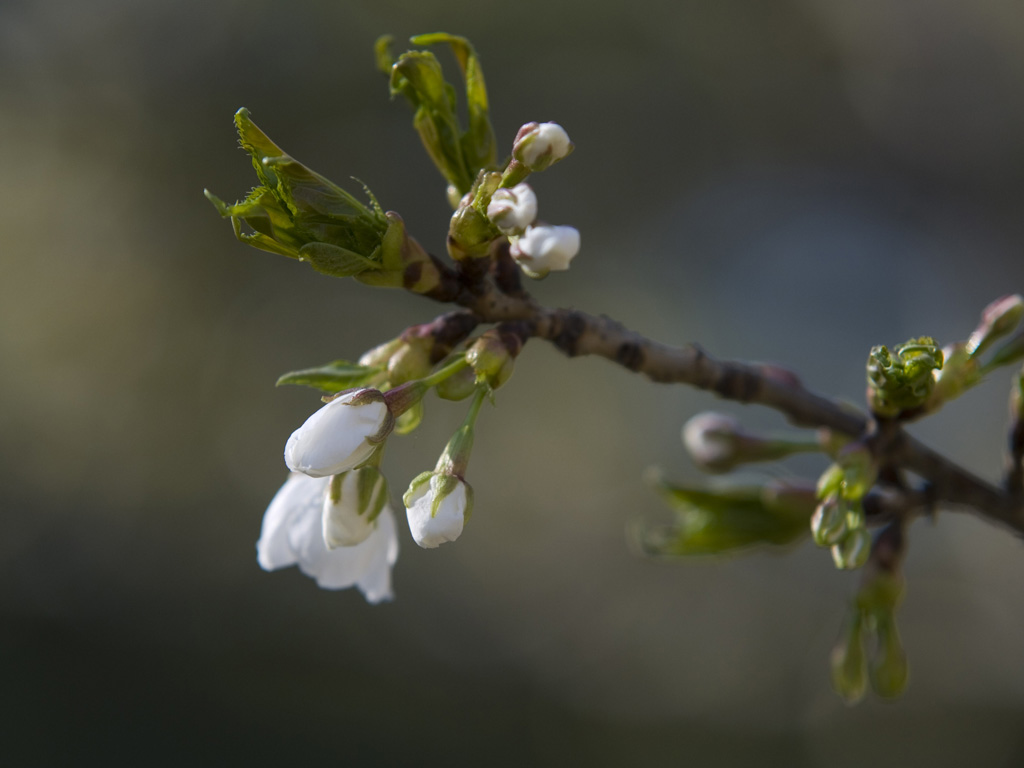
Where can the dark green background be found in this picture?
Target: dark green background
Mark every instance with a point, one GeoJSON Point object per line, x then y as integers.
{"type": "Point", "coordinates": [790, 181]}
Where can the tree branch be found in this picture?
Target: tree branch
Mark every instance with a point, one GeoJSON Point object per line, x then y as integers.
{"type": "Point", "coordinates": [577, 333]}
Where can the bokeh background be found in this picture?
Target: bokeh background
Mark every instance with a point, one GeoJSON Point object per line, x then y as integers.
{"type": "Point", "coordinates": [790, 181]}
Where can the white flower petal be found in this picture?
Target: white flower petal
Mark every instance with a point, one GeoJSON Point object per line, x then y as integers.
{"type": "Point", "coordinates": [335, 438]}
{"type": "Point", "coordinates": [292, 534]}
{"type": "Point", "coordinates": [298, 498]}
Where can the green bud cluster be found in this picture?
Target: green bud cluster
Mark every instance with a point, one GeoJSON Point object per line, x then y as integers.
{"type": "Point", "coordinates": [870, 648]}
{"type": "Point", "coordinates": [902, 380]}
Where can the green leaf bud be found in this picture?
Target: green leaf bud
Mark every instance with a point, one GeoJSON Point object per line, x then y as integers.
{"type": "Point", "coordinates": [853, 549]}
{"type": "Point", "coordinates": [298, 213]}
{"type": "Point", "coordinates": [901, 381]}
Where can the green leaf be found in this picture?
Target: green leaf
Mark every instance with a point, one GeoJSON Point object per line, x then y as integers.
{"type": "Point", "coordinates": [478, 143]}
{"type": "Point", "coordinates": [333, 377]}
{"type": "Point", "coordinates": [335, 261]}
{"type": "Point", "coordinates": [711, 522]}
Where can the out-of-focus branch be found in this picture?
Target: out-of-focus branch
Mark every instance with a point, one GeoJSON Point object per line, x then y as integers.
{"type": "Point", "coordinates": [577, 333]}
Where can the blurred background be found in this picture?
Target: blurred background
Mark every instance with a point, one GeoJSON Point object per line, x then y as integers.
{"type": "Point", "coordinates": [789, 182]}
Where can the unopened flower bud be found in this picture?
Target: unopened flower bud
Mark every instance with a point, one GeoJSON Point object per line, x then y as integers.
{"type": "Point", "coordinates": [712, 440]}
{"type": "Point", "coordinates": [353, 502]}
{"type": "Point", "coordinates": [545, 248]}
{"type": "Point", "coordinates": [341, 435]}
{"type": "Point", "coordinates": [859, 471]}
{"type": "Point", "coordinates": [513, 210]}
{"type": "Point", "coordinates": [411, 360]}
{"type": "Point", "coordinates": [492, 356]}
{"type": "Point", "coordinates": [540, 145]}
{"type": "Point", "coordinates": [470, 234]}
{"type": "Point", "coordinates": [853, 549]}
{"type": "Point", "coordinates": [997, 319]}
{"type": "Point", "coordinates": [437, 507]}
{"type": "Point", "coordinates": [458, 386]}
{"type": "Point", "coordinates": [828, 523]}
{"type": "Point", "coordinates": [379, 356]}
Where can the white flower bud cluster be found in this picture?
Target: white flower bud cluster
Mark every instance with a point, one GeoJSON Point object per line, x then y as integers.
{"type": "Point", "coordinates": [332, 517]}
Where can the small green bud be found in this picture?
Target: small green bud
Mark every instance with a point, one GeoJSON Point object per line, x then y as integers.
{"type": "Point", "coordinates": [853, 549]}
{"type": "Point", "coordinates": [828, 523]}
{"type": "Point", "coordinates": [492, 356]}
{"type": "Point", "coordinates": [830, 482]}
{"type": "Point", "coordinates": [411, 360]}
{"type": "Point", "coordinates": [459, 386]}
{"type": "Point", "coordinates": [849, 666]}
{"type": "Point", "coordinates": [859, 471]}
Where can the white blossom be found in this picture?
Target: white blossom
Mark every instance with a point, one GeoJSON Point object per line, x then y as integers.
{"type": "Point", "coordinates": [541, 145]}
{"type": "Point", "coordinates": [513, 209]}
{"type": "Point", "coordinates": [437, 506]}
{"type": "Point", "coordinates": [546, 248]}
{"type": "Point", "coordinates": [341, 435]}
{"type": "Point", "coordinates": [292, 534]}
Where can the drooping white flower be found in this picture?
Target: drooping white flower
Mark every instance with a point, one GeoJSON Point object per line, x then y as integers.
{"type": "Point", "coordinates": [538, 145]}
{"type": "Point", "coordinates": [513, 209]}
{"type": "Point", "coordinates": [292, 534]}
{"type": "Point", "coordinates": [353, 501]}
{"type": "Point", "coordinates": [546, 248]}
{"type": "Point", "coordinates": [437, 506]}
{"type": "Point", "coordinates": [341, 435]}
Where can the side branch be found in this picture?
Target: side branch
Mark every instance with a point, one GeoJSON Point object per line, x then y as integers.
{"type": "Point", "coordinates": [577, 333]}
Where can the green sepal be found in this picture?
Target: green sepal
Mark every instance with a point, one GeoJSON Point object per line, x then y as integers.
{"type": "Point", "coordinates": [332, 377]}
{"type": "Point", "coordinates": [409, 420]}
{"type": "Point", "coordinates": [711, 522]}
